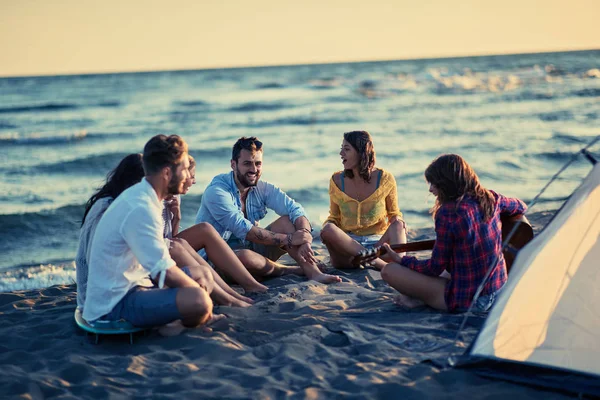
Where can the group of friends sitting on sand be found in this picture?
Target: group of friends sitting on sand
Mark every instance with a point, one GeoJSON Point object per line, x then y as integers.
{"type": "Point", "coordinates": [134, 264]}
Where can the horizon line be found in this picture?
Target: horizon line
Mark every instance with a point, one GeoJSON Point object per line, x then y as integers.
{"type": "Point", "coordinates": [251, 66]}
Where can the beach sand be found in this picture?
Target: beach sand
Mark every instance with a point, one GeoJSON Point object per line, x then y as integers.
{"type": "Point", "coordinates": [300, 340]}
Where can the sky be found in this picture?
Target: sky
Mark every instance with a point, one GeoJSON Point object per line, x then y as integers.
{"type": "Point", "coordinates": [50, 37]}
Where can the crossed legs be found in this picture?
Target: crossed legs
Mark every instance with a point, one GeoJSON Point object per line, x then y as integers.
{"type": "Point", "coordinates": [342, 248]}
{"type": "Point", "coordinates": [415, 287]}
{"type": "Point", "coordinates": [311, 270]}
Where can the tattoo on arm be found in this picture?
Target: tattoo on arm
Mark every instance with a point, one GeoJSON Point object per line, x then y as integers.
{"type": "Point", "coordinates": [264, 236]}
{"type": "Point", "coordinates": [302, 223]}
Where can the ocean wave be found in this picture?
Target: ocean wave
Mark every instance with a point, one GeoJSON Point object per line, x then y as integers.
{"type": "Point", "coordinates": [588, 92]}
{"type": "Point", "coordinates": [250, 107]}
{"type": "Point", "coordinates": [592, 73]}
{"type": "Point", "coordinates": [109, 104]}
{"type": "Point", "coordinates": [296, 120]}
{"type": "Point", "coordinates": [469, 82]}
{"type": "Point", "coordinates": [510, 165]}
{"type": "Point", "coordinates": [567, 138]}
{"type": "Point", "coordinates": [28, 198]}
{"type": "Point", "coordinates": [37, 237]}
{"type": "Point", "coordinates": [53, 138]}
{"type": "Point", "coordinates": [37, 277]}
{"type": "Point", "coordinates": [270, 85]}
{"type": "Point", "coordinates": [192, 103]}
{"type": "Point", "coordinates": [219, 152]}
{"type": "Point", "coordinates": [325, 83]}
{"type": "Point", "coordinates": [48, 107]}
{"type": "Point", "coordinates": [7, 125]}
{"type": "Point", "coordinates": [529, 96]}
{"type": "Point", "coordinates": [308, 195]}
{"type": "Point", "coordinates": [563, 115]}
{"type": "Point", "coordinates": [86, 165]}
{"type": "Point", "coordinates": [555, 156]}
{"type": "Point", "coordinates": [40, 138]}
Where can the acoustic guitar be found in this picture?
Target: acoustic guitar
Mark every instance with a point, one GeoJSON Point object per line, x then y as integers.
{"type": "Point", "coordinates": [520, 238]}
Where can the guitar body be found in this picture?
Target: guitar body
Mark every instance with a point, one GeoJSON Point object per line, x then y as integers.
{"type": "Point", "coordinates": [520, 238]}
{"type": "Point", "coordinates": [522, 235]}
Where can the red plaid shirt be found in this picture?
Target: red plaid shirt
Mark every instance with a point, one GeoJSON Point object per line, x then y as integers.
{"type": "Point", "coordinates": [466, 246]}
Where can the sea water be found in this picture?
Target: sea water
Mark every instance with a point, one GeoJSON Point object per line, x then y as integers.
{"type": "Point", "coordinates": [515, 118]}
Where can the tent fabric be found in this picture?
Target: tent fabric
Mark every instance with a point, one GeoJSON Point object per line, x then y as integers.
{"type": "Point", "coordinates": [548, 313]}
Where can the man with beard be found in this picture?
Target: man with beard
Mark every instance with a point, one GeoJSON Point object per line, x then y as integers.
{"type": "Point", "coordinates": [128, 246]}
{"type": "Point", "coordinates": [235, 202]}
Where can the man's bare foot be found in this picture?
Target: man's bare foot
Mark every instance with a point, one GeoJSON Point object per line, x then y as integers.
{"type": "Point", "coordinates": [207, 327]}
{"type": "Point", "coordinates": [322, 266]}
{"type": "Point", "coordinates": [405, 301]}
{"type": "Point", "coordinates": [238, 303]}
{"type": "Point", "coordinates": [287, 270]}
{"type": "Point", "coordinates": [243, 298]}
{"type": "Point", "coordinates": [325, 278]}
{"type": "Point", "coordinates": [172, 328]}
{"type": "Point", "coordinates": [258, 288]}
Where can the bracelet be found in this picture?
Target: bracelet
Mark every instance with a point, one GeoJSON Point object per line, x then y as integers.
{"type": "Point", "coordinates": [289, 240]}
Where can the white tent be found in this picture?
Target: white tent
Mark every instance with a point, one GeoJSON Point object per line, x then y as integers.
{"type": "Point", "coordinates": [545, 325]}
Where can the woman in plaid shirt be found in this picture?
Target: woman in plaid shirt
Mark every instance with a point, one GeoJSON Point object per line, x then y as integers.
{"type": "Point", "coordinates": [468, 242]}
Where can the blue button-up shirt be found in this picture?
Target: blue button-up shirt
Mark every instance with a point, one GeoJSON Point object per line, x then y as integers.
{"type": "Point", "coordinates": [222, 206]}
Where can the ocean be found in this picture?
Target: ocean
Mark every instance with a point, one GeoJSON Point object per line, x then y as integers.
{"type": "Point", "coordinates": [517, 119]}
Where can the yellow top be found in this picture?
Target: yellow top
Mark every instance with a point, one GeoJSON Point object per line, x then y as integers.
{"type": "Point", "coordinates": [368, 217]}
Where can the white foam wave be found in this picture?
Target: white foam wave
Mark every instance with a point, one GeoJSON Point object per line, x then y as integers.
{"type": "Point", "coordinates": [41, 137]}
{"type": "Point", "coordinates": [37, 277]}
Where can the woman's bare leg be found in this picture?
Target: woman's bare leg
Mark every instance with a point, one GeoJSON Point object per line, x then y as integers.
{"type": "Point", "coordinates": [261, 266]}
{"type": "Point", "coordinates": [429, 289]}
{"type": "Point", "coordinates": [218, 280]}
{"type": "Point", "coordinates": [311, 270]}
{"type": "Point", "coordinates": [183, 258]}
{"type": "Point", "coordinates": [204, 236]}
{"type": "Point", "coordinates": [395, 234]}
{"type": "Point", "coordinates": [342, 248]}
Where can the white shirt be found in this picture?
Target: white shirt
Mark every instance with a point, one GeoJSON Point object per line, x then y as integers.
{"type": "Point", "coordinates": [127, 246]}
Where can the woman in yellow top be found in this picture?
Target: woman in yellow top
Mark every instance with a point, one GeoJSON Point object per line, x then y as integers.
{"type": "Point", "coordinates": [363, 208]}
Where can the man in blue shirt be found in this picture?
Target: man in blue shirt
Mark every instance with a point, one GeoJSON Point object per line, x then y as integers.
{"type": "Point", "coordinates": [235, 202]}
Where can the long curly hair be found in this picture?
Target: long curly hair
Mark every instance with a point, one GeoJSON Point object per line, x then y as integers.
{"type": "Point", "coordinates": [454, 179]}
{"type": "Point", "coordinates": [129, 172]}
{"type": "Point", "coordinates": [362, 143]}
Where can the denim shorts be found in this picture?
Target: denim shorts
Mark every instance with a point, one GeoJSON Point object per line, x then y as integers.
{"type": "Point", "coordinates": [273, 253]}
{"type": "Point", "coordinates": [366, 241]}
{"type": "Point", "coordinates": [147, 306]}
{"type": "Point", "coordinates": [483, 303]}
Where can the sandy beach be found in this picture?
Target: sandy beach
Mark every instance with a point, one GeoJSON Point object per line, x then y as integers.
{"type": "Point", "coordinates": [300, 340]}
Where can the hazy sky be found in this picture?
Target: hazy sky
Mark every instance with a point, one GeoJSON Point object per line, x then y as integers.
{"type": "Point", "coordinates": [77, 36]}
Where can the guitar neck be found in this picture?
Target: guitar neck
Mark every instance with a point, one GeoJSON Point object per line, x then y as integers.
{"type": "Point", "coordinates": [413, 246]}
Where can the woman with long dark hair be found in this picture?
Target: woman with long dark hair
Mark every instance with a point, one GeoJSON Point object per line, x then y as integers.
{"type": "Point", "coordinates": [468, 242]}
{"type": "Point", "coordinates": [129, 172]}
{"type": "Point", "coordinates": [363, 209]}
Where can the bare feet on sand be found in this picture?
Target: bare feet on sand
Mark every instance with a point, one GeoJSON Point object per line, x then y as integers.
{"type": "Point", "coordinates": [238, 303]}
{"type": "Point", "coordinates": [325, 278]}
{"type": "Point", "coordinates": [176, 327]}
{"type": "Point", "coordinates": [258, 288]}
{"type": "Point", "coordinates": [407, 302]}
{"type": "Point", "coordinates": [241, 297]}
{"type": "Point", "coordinates": [172, 328]}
